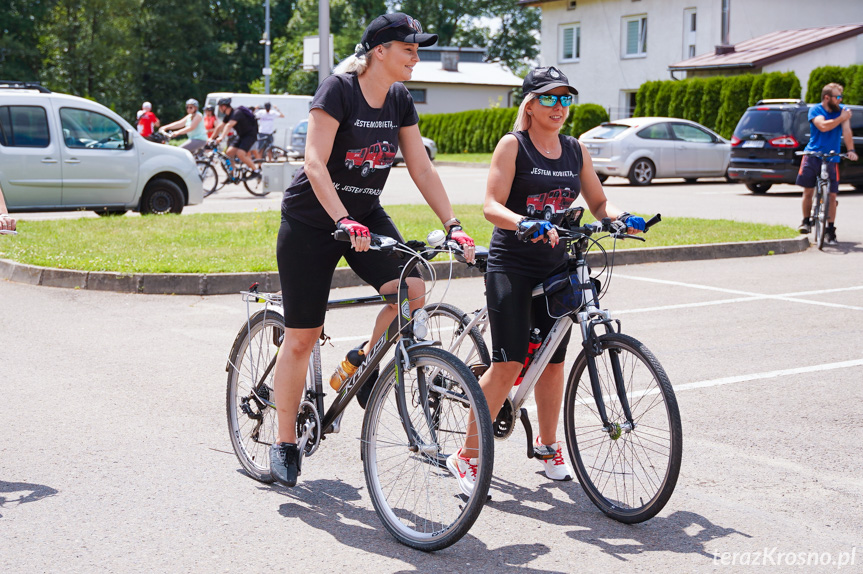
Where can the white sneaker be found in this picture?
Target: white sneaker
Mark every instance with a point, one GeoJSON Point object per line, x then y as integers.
{"type": "Point", "coordinates": [556, 468]}
{"type": "Point", "coordinates": [464, 471]}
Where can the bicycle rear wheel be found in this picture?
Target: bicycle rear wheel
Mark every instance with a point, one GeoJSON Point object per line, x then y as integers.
{"type": "Point", "coordinates": [446, 324]}
{"type": "Point", "coordinates": [413, 492]}
{"type": "Point", "coordinates": [629, 474]}
{"type": "Point", "coordinates": [275, 153]}
{"type": "Point", "coordinates": [209, 177]}
{"type": "Point", "coordinates": [820, 213]}
{"type": "Point", "coordinates": [255, 185]}
{"type": "Point", "coordinates": [251, 420]}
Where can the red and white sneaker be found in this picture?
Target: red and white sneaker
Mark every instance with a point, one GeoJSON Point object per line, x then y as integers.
{"type": "Point", "coordinates": [464, 471]}
{"type": "Point", "coordinates": [556, 468]}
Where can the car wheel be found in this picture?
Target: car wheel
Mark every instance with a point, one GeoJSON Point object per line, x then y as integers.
{"type": "Point", "coordinates": [690, 179]}
{"type": "Point", "coordinates": [602, 178]}
{"type": "Point", "coordinates": [642, 172]}
{"type": "Point", "coordinates": [758, 187]}
{"type": "Point", "coordinates": [109, 212]}
{"type": "Point", "coordinates": [162, 196]}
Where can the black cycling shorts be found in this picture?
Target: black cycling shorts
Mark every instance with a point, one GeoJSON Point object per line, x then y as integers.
{"type": "Point", "coordinates": [308, 256]}
{"type": "Point", "coordinates": [244, 143]}
{"type": "Point", "coordinates": [512, 315]}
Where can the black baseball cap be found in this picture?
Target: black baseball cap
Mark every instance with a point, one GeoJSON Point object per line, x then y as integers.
{"type": "Point", "coordinates": [396, 27]}
{"type": "Point", "coordinates": [542, 80]}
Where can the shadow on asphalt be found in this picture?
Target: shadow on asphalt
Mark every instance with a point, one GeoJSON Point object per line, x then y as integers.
{"type": "Point", "coordinates": [681, 532]}
{"type": "Point", "coordinates": [328, 505]}
{"type": "Point", "coordinates": [25, 492]}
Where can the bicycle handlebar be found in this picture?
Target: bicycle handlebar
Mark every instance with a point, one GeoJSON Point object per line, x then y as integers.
{"type": "Point", "coordinates": [822, 154]}
{"type": "Point", "coordinates": [605, 225]}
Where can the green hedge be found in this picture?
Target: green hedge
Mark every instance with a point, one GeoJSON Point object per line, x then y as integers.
{"type": "Point", "coordinates": [850, 77]}
{"type": "Point", "coordinates": [585, 117]}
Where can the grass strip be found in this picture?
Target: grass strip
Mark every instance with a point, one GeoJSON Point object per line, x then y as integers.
{"type": "Point", "coordinates": [245, 242]}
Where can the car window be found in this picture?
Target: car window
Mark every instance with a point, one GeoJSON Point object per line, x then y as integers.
{"type": "Point", "coordinates": [605, 132]}
{"type": "Point", "coordinates": [801, 126]}
{"type": "Point", "coordinates": [689, 133]}
{"type": "Point", "coordinates": [763, 122]}
{"type": "Point", "coordinates": [302, 128]}
{"type": "Point", "coordinates": [655, 132]}
{"type": "Point", "coordinates": [83, 129]}
{"type": "Point", "coordinates": [857, 122]}
{"type": "Point", "coordinates": [24, 126]}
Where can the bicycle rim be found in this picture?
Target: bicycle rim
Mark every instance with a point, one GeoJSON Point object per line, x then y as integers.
{"type": "Point", "coordinates": [820, 219]}
{"type": "Point", "coordinates": [255, 185]}
{"type": "Point", "coordinates": [209, 177]}
{"type": "Point", "coordinates": [251, 422]}
{"type": "Point", "coordinates": [447, 324]}
{"type": "Point", "coordinates": [414, 494]}
{"type": "Point", "coordinates": [629, 475]}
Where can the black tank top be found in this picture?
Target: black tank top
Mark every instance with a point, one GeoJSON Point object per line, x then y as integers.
{"type": "Point", "coordinates": [542, 188]}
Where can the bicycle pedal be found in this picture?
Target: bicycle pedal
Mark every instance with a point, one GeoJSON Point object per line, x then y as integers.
{"type": "Point", "coordinates": [544, 452]}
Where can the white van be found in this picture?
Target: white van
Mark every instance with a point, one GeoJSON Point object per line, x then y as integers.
{"type": "Point", "coordinates": [60, 152]}
{"type": "Point", "coordinates": [295, 109]}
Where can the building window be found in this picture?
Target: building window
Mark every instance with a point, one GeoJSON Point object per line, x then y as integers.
{"type": "Point", "coordinates": [418, 95]}
{"type": "Point", "coordinates": [635, 36]}
{"type": "Point", "coordinates": [570, 43]}
{"type": "Point", "coordinates": [689, 26]}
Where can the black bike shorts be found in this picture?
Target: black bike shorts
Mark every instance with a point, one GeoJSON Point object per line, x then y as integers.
{"type": "Point", "coordinates": [810, 169]}
{"type": "Point", "coordinates": [244, 143]}
{"type": "Point", "coordinates": [513, 314]}
{"type": "Point", "coordinates": [308, 256]}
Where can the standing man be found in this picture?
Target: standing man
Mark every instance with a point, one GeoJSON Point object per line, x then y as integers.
{"type": "Point", "coordinates": [829, 124]}
{"type": "Point", "coordinates": [148, 121]}
{"type": "Point", "coordinates": [266, 127]}
{"type": "Point", "coordinates": [243, 122]}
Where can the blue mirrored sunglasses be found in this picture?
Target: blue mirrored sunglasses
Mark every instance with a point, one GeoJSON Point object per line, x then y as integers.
{"type": "Point", "coordinates": [549, 100]}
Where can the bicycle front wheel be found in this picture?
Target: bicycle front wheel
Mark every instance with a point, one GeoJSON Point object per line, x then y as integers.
{"type": "Point", "coordinates": [209, 177]}
{"type": "Point", "coordinates": [251, 418]}
{"type": "Point", "coordinates": [448, 324]}
{"type": "Point", "coordinates": [628, 473]}
{"type": "Point", "coordinates": [820, 213]}
{"type": "Point", "coordinates": [275, 153]}
{"type": "Point", "coordinates": [255, 185]}
{"type": "Point", "coordinates": [413, 492]}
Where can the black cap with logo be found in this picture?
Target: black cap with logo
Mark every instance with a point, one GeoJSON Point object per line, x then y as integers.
{"type": "Point", "coordinates": [542, 80]}
{"type": "Point", "coordinates": [395, 27]}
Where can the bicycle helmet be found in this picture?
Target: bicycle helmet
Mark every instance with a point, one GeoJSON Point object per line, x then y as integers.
{"type": "Point", "coordinates": [192, 102]}
{"type": "Point", "coordinates": [224, 102]}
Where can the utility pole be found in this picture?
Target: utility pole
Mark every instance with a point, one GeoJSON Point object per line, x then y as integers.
{"type": "Point", "coordinates": [266, 42]}
{"type": "Point", "coordinates": [324, 38]}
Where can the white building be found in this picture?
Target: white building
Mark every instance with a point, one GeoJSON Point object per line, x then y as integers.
{"type": "Point", "coordinates": [450, 80]}
{"type": "Point", "coordinates": [608, 48]}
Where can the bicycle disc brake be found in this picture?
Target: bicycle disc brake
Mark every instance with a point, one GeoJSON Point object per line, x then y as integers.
{"type": "Point", "coordinates": [308, 429]}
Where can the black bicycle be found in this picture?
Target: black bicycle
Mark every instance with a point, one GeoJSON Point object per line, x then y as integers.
{"type": "Point", "coordinates": [233, 171]}
{"type": "Point", "coordinates": [417, 413]}
{"type": "Point", "coordinates": [821, 200]}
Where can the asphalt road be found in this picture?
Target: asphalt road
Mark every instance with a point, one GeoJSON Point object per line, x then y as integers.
{"type": "Point", "coordinates": [115, 455]}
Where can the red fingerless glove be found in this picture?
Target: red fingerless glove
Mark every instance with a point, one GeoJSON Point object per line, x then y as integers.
{"type": "Point", "coordinates": [459, 236]}
{"type": "Point", "coordinates": [352, 227]}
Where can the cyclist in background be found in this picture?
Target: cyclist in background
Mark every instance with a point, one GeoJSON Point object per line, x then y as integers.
{"type": "Point", "coordinates": [529, 162]}
{"type": "Point", "coordinates": [829, 124]}
{"type": "Point", "coordinates": [192, 125]}
{"type": "Point", "coordinates": [362, 104]}
{"type": "Point", "coordinates": [243, 122]}
{"type": "Point", "coordinates": [266, 127]}
{"type": "Point", "coordinates": [147, 122]}
{"type": "Point", "coordinates": [210, 121]}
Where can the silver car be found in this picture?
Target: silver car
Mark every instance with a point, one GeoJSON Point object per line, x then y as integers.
{"type": "Point", "coordinates": [642, 149]}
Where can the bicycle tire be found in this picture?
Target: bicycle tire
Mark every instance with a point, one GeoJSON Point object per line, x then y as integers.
{"type": "Point", "coordinates": [821, 211]}
{"type": "Point", "coordinates": [209, 177]}
{"type": "Point", "coordinates": [446, 323]}
{"type": "Point", "coordinates": [276, 154]}
{"type": "Point", "coordinates": [417, 499]}
{"type": "Point", "coordinates": [255, 185]}
{"type": "Point", "coordinates": [253, 349]}
{"type": "Point", "coordinates": [619, 474]}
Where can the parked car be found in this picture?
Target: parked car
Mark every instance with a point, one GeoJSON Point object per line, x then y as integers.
{"type": "Point", "coordinates": [60, 152]}
{"type": "Point", "coordinates": [431, 151]}
{"type": "Point", "coordinates": [643, 149]}
{"type": "Point", "coordinates": [767, 137]}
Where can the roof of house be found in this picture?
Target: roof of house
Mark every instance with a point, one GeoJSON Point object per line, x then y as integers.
{"type": "Point", "coordinates": [770, 48]}
{"type": "Point", "coordinates": [476, 73]}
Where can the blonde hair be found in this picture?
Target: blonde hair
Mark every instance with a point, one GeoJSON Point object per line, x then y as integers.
{"type": "Point", "coordinates": [522, 118]}
{"type": "Point", "coordinates": [357, 64]}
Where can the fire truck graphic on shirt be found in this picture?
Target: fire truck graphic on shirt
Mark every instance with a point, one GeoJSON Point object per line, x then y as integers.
{"type": "Point", "coordinates": [546, 205]}
{"type": "Point", "coordinates": [377, 156]}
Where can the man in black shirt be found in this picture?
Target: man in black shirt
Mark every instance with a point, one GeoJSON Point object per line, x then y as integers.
{"type": "Point", "coordinates": [243, 122]}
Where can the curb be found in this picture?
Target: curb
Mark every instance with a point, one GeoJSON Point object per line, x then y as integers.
{"type": "Point", "coordinates": [228, 283]}
{"type": "Point", "coordinates": [461, 164]}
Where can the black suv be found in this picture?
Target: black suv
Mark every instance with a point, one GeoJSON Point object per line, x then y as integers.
{"type": "Point", "coordinates": [767, 137]}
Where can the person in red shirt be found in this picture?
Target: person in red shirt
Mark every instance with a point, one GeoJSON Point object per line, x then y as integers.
{"type": "Point", "coordinates": [148, 121]}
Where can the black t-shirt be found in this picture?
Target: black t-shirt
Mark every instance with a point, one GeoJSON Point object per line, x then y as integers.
{"type": "Point", "coordinates": [363, 151]}
{"type": "Point", "coordinates": [247, 124]}
{"type": "Point", "coordinates": [541, 188]}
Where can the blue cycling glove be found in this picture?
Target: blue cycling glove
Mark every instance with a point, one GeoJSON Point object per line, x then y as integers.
{"type": "Point", "coordinates": [632, 221]}
{"type": "Point", "coordinates": [540, 228]}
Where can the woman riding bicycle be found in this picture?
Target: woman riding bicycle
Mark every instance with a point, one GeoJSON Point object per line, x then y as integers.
{"type": "Point", "coordinates": [358, 117]}
{"type": "Point", "coordinates": [535, 174]}
{"type": "Point", "coordinates": [191, 125]}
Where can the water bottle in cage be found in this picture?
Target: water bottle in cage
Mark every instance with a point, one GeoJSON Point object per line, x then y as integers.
{"type": "Point", "coordinates": [532, 345]}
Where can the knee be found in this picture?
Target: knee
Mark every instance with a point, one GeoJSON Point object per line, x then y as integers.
{"type": "Point", "coordinates": [502, 375]}
{"type": "Point", "coordinates": [298, 345]}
